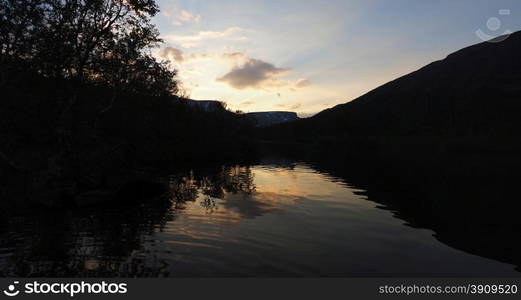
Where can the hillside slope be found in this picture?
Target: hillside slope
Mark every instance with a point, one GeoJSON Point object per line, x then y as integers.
{"type": "Point", "coordinates": [473, 92]}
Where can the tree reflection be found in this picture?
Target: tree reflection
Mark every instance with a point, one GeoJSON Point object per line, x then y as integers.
{"type": "Point", "coordinates": [108, 240]}
{"type": "Point", "coordinates": [209, 204]}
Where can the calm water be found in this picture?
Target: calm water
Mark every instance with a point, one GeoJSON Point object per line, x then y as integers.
{"type": "Point", "coordinates": [262, 220]}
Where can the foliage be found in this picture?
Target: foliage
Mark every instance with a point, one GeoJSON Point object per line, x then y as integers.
{"type": "Point", "coordinates": [103, 41]}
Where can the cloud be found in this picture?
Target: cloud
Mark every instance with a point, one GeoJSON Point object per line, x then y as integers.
{"type": "Point", "coordinates": [234, 55]}
{"type": "Point", "coordinates": [302, 83]}
{"type": "Point", "coordinates": [253, 73]}
{"type": "Point", "coordinates": [247, 103]}
{"type": "Point", "coordinates": [167, 13]}
{"type": "Point", "coordinates": [178, 56]}
{"type": "Point", "coordinates": [172, 53]}
{"type": "Point", "coordinates": [237, 58]}
{"type": "Point", "coordinates": [290, 107]}
{"type": "Point", "coordinates": [188, 41]}
{"type": "Point", "coordinates": [183, 16]}
{"type": "Point", "coordinates": [295, 106]}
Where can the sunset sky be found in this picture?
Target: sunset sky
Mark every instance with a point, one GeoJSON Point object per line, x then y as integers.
{"type": "Point", "coordinates": [306, 56]}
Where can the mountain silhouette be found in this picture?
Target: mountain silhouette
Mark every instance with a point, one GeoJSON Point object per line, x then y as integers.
{"type": "Point", "coordinates": [473, 92]}
{"type": "Point", "coordinates": [267, 118]}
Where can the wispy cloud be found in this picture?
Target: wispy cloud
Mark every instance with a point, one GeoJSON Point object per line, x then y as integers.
{"type": "Point", "coordinates": [189, 41]}
{"type": "Point", "coordinates": [302, 83]}
{"type": "Point", "coordinates": [172, 53]}
{"type": "Point", "coordinates": [289, 106]}
{"type": "Point", "coordinates": [186, 16]}
{"type": "Point", "coordinates": [247, 103]}
{"type": "Point", "coordinates": [179, 17]}
{"type": "Point", "coordinates": [177, 55]}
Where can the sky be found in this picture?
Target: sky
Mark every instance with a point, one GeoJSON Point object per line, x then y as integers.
{"type": "Point", "coordinates": [309, 55]}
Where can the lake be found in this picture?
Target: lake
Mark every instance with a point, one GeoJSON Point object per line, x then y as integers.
{"type": "Point", "coordinates": [275, 218]}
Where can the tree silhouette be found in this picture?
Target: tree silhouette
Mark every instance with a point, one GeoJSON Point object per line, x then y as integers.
{"type": "Point", "coordinates": [96, 41]}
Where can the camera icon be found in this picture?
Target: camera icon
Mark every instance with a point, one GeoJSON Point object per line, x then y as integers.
{"type": "Point", "coordinates": [494, 25]}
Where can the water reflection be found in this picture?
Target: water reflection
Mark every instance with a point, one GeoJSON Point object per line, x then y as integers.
{"type": "Point", "coordinates": [265, 220]}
